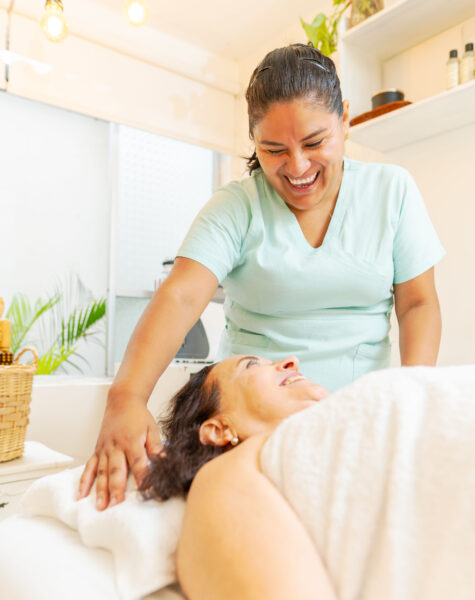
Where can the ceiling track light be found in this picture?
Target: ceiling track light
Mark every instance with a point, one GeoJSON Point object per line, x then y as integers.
{"type": "Point", "coordinates": [137, 12]}
{"type": "Point", "coordinates": [53, 23]}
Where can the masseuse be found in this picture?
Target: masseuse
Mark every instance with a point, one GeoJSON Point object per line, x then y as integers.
{"type": "Point", "coordinates": [311, 250]}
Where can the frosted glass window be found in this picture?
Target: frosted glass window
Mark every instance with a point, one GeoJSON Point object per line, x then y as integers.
{"type": "Point", "coordinates": [127, 313]}
{"type": "Point", "coordinates": [162, 184]}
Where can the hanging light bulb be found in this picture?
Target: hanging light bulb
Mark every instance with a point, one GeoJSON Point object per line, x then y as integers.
{"type": "Point", "coordinates": [137, 11]}
{"type": "Point", "coordinates": [52, 22]}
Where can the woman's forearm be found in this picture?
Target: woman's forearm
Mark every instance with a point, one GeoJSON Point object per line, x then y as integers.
{"type": "Point", "coordinates": [172, 312]}
{"type": "Point", "coordinates": [154, 342]}
{"type": "Point", "coordinates": [419, 335]}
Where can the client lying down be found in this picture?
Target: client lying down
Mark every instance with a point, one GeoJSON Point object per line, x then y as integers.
{"type": "Point", "coordinates": [366, 495]}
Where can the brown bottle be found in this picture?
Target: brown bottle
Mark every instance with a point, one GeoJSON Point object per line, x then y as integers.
{"type": "Point", "coordinates": [6, 357]}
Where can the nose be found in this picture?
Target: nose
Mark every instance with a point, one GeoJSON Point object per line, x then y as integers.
{"type": "Point", "coordinates": [288, 363]}
{"type": "Point", "coordinates": [297, 164]}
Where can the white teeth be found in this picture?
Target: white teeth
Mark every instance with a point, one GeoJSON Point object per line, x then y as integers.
{"type": "Point", "coordinates": [302, 181]}
{"type": "Point", "coordinates": [293, 379]}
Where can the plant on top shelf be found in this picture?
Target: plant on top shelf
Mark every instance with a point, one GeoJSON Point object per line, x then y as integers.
{"type": "Point", "coordinates": [322, 32]}
{"type": "Point", "coordinates": [57, 324]}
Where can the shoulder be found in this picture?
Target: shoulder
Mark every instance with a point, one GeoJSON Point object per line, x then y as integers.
{"type": "Point", "coordinates": [376, 172]}
{"type": "Point", "coordinates": [244, 191]}
{"type": "Point", "coordinates": [229, 468]}
{"type": "Point", "coordinates": [235, 202]}
{"type": "Point", "coordinates": [380, 187]}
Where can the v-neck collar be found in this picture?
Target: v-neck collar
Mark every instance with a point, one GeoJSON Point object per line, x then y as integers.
{"type": "Point", "coordinates": [335, 221]}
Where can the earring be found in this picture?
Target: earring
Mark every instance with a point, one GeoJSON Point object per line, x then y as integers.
{"type": "Point", "coordinates": [234, 441]}
{"type": "Point", "coordinates": [347, 136]}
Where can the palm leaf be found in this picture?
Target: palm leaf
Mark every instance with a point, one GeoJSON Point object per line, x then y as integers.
{"type": "Point", "coordinates": [52, 358]}
{"type": "Point", "coordinates": [81, 321]}
{"type": "Point", "coordinates": [23, 316]}
{"type": "Point", "coordinates": [59, 323]}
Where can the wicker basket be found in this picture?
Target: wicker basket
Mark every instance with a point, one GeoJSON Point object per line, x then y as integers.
{"type": "Point", "coordinates": [15, 395]}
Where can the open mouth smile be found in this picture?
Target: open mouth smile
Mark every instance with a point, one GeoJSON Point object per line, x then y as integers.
{"type": "Point", "coordinates": [303, 184]}
{"type": "Point", "coordinates": [292, 379]}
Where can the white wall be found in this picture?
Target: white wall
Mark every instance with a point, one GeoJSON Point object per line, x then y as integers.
{"type": "Point", "coordinates": [444, 168]}
{"type": "Point", "coordinates": [56, 176]}
{"type": "Point", "coordinates": [3, 26]}
{"type": "Point", "coordinates": [54, 200]}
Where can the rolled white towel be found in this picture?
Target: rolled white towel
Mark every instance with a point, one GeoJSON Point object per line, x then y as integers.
{"type": "Point", "coordinates": [142, 536]}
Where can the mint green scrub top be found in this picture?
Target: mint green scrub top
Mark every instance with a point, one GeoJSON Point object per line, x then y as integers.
{"type": "Point", "coordinates": [330, 306]}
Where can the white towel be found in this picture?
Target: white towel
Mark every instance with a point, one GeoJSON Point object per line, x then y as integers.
{"type": "Point", "coordinates": [142, 536]}
{"type": "Point", "coordinates": [382, 475]}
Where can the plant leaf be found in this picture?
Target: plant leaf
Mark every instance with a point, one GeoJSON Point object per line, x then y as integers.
{"type": "Point", "coordinates": [318, 20]}
{"type": "Point", "coordinates": [323, 31]}
{"type": "Point", "coordinates": [52, 359]}
{"type": "Point", "coordinates": [23, 316]}
{"type": "Point", "coordinates": [81, 320]}
{"type": "Point", "coordinates": [69, 315]}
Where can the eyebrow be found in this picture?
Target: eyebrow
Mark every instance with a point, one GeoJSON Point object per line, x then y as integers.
{"type": "Point", "coordinates": [317, 132]}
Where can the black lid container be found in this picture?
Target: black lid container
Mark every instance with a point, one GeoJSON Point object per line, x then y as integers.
{"type": "Point", "coordinates": [385, 97]}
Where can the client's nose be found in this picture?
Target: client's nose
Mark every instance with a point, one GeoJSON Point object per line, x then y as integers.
{"type": "Point", "coordinates": [290, 362]}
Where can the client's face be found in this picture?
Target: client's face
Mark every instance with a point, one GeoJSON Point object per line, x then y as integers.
{"type": "Point", "coordinates": [257, 394]}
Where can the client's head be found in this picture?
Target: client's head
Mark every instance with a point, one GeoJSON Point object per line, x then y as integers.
{"type": "Point", "coordinates": [221, 405]}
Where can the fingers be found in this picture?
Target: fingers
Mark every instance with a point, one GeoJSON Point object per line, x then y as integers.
{"type": "Point", "coordinates": [110, 473]}
{"type": "Point", "coordinates": [138, 462]}
{"type": "Point", "coordinates": [153, 443]}
{"type": "Point", "coordinates": [102, 483]}
{"type": "Point", "coordinates": [117, 477]}
{"type": "Point", "coordinates": [87, 477]}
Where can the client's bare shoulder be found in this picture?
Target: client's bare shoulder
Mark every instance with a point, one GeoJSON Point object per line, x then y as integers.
{"type": "Point", "coordinates": [245, 456]}
{"type": "Point", "coordinates": [228, 474]}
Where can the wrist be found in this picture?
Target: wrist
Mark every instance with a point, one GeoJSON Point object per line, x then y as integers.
{"type": "Point", "coordinates": [119, 397]}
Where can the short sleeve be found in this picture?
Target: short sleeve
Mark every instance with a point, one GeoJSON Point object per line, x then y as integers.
{"type": "Point", "coordinates": [416, 245]}
{"type": "Point", "coordinates": [216, 235]}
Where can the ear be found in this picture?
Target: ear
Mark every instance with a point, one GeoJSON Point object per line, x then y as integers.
{"type": "Point", "coordinates": [214, 432]}
{"type": "Point", "coordinates": [346, 116]}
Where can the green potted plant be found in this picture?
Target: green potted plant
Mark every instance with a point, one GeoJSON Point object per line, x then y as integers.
{"type": "Point", "coordinates": [55, 325]}
{"type": "Point", "coordinates": [322, 32]}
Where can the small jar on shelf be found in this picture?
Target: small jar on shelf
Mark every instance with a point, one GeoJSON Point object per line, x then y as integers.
{"type": "Point", "coordinates": [453, 70]}
{"type": "Point", "coordinates": [468, 64]}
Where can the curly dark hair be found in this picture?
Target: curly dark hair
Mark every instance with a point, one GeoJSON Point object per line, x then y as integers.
{"type": "Point", "coordinates": [171, 473]}
{"type": "Point", "coordinates": [289, 73]}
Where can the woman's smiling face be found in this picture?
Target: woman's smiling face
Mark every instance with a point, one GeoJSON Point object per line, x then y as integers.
{"type": "Point", "coordinates": [257, 394]}
{"type": "Point", "coordinates": [300, 146]}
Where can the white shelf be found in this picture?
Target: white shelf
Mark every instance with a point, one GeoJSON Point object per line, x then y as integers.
{"type": "Point", "coordinates": [37, 460]}
{"type": "Point", "coordinates": [435, 115]}
{"type": "Point", "coordinates": [406, 24]}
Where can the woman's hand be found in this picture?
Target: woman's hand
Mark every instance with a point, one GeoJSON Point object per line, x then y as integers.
{"type": "Point", "coordinates": [128, 436]}
{"type": "Point", "coordinates": [129, 433]}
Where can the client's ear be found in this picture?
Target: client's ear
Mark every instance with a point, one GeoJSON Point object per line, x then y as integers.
{"type": "Point", "coordinates": [214, 432]}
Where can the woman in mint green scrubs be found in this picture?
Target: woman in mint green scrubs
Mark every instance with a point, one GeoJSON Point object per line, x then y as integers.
{"type": "Point", "coordinates": [312, 251]}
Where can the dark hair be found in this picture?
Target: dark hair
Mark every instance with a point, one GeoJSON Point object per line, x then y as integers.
{"type": "Point", "coordinates": [288, 73]}
{"type": "Point", "coordinates": [171, 473]}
